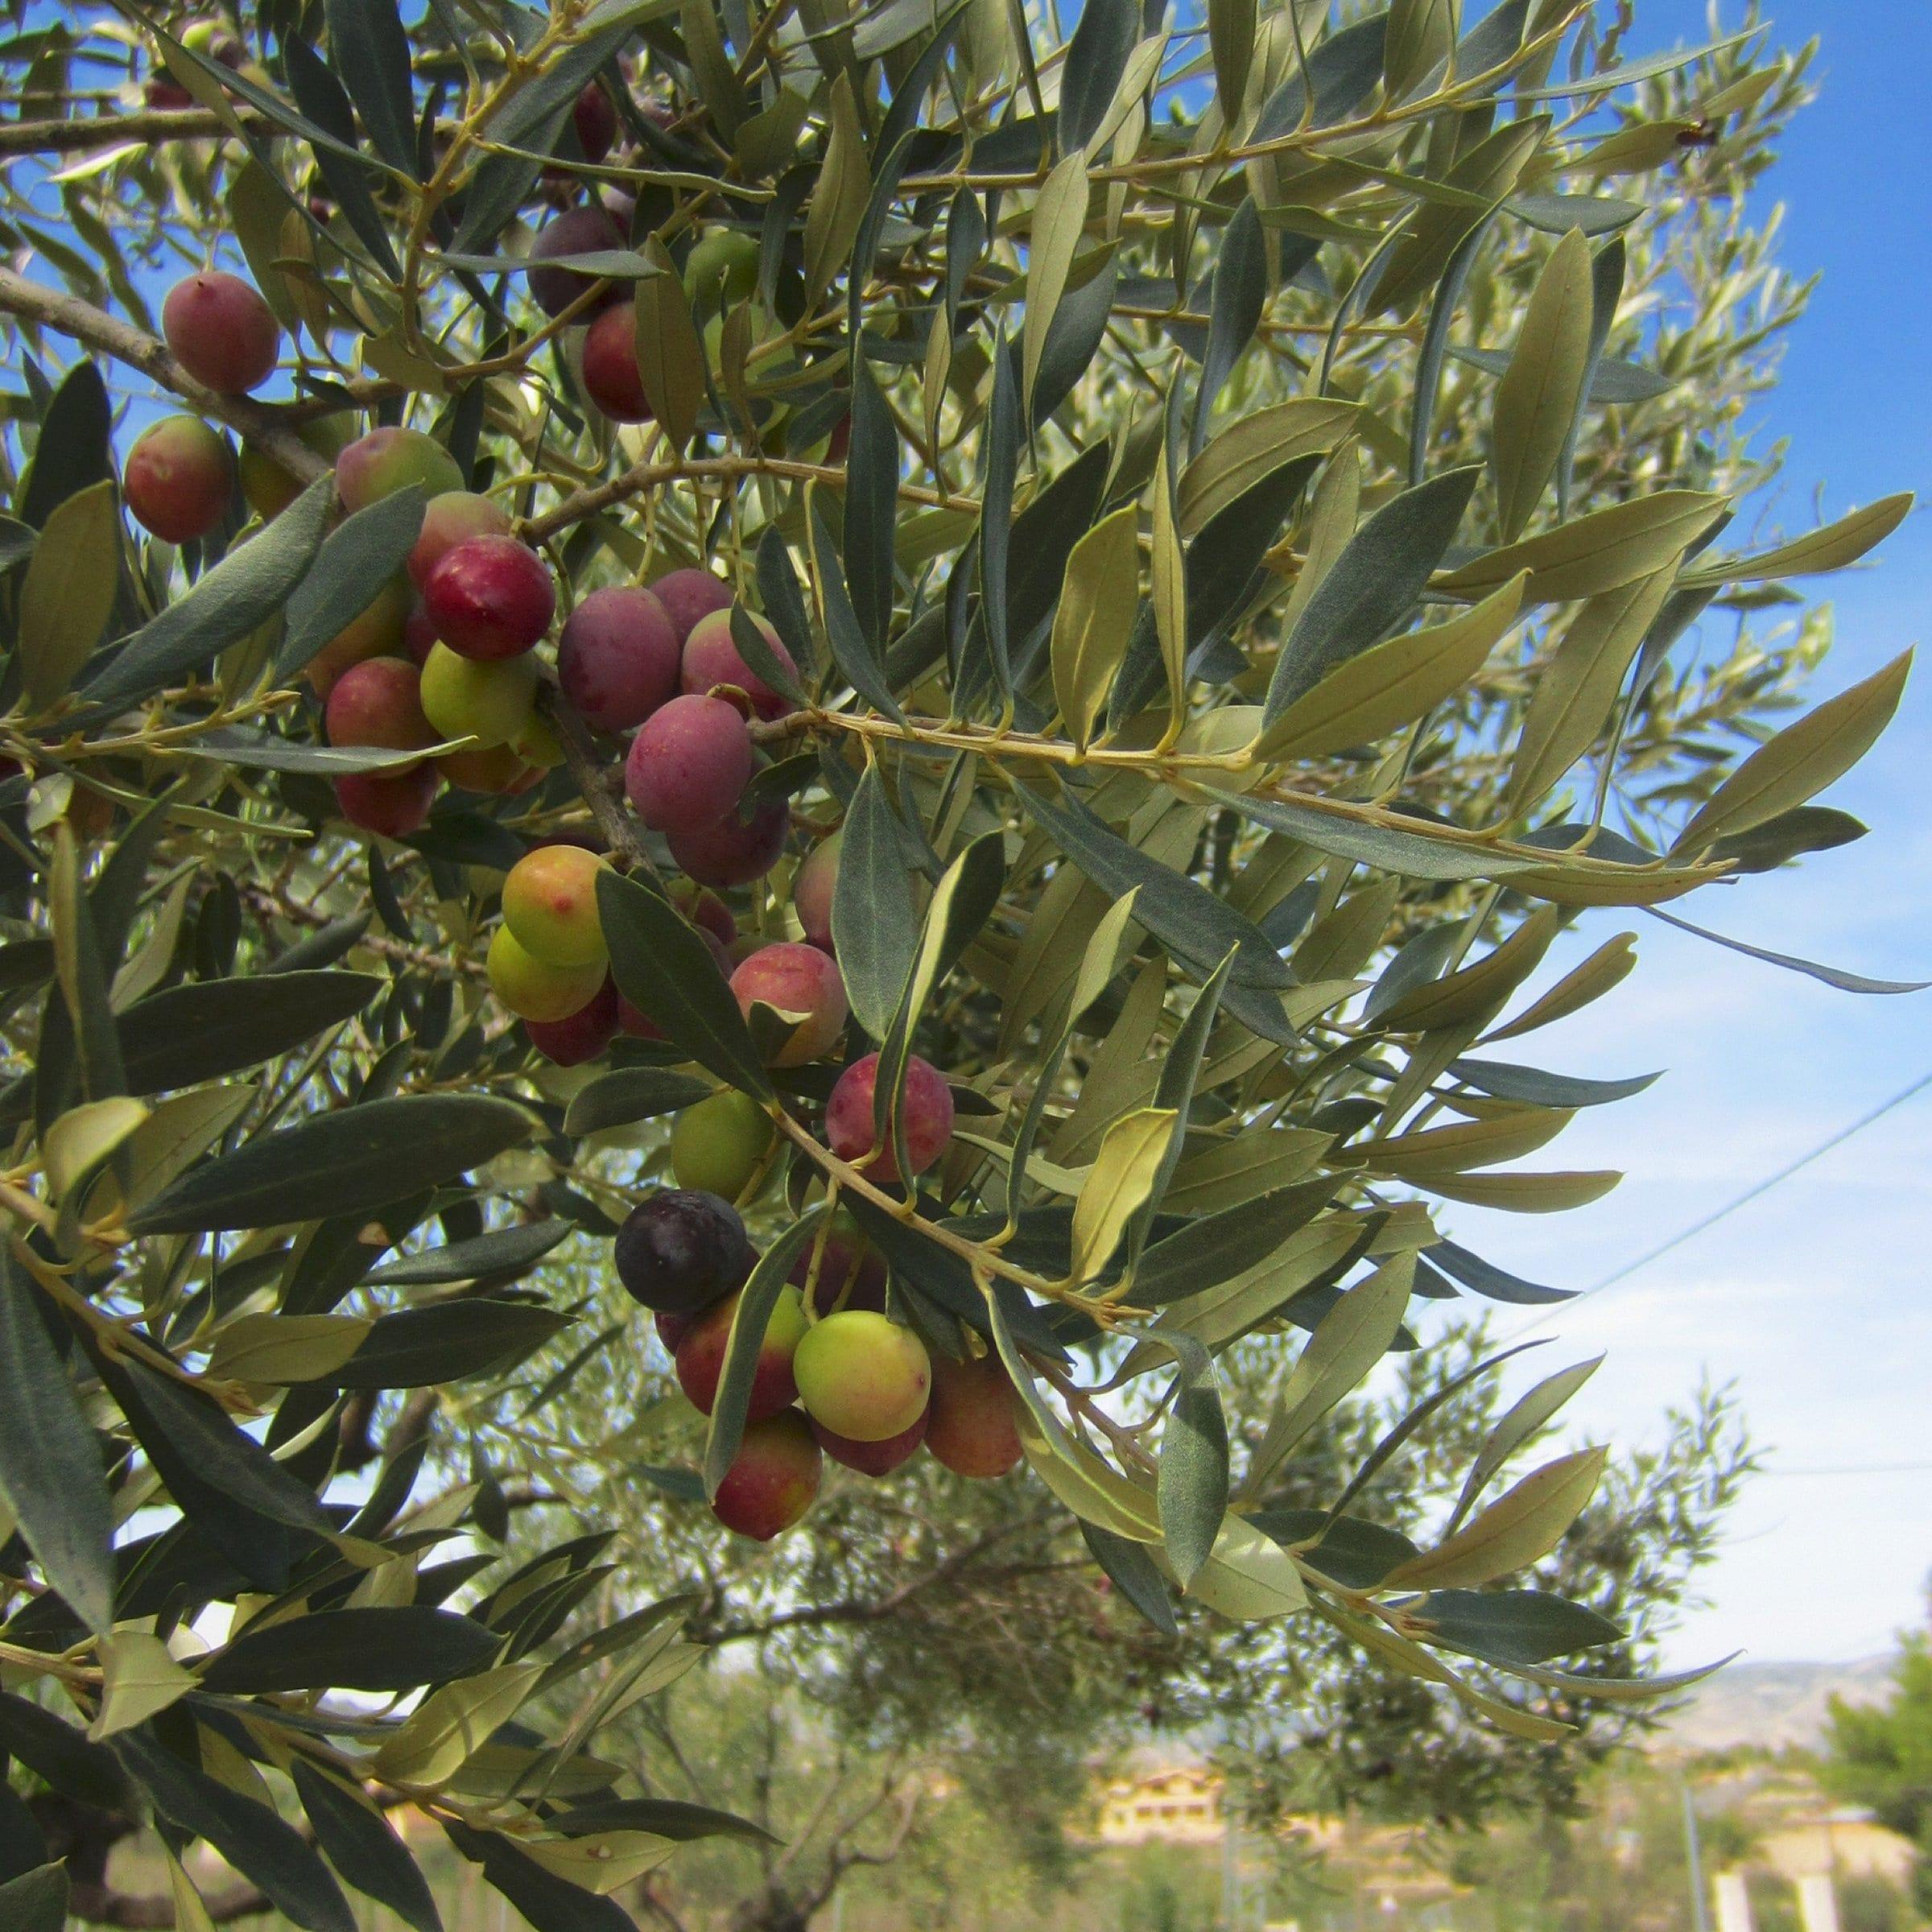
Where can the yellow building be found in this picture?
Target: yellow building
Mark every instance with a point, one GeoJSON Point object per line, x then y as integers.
{"type": "Point", "coordinates": [1170, 1804]}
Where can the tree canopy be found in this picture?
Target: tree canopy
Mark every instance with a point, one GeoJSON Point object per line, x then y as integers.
{"type": "Point", "coordinates": [922, 687]}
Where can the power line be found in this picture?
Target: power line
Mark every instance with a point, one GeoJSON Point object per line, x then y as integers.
{"type": "Point", "coordinates": [1750, 1193]}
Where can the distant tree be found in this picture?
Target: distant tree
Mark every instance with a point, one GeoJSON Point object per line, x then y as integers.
{"type": "Point", "coordinates": [1880, 1755]}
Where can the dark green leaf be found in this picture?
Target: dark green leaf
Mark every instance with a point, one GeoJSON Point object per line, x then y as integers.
{"type": "Point", "coordinates": [50, 1467]}
{"type": "Point", "coordinates": [851, 651]}
{"type": "Point", "coordinates": [1389, 847]}
{"type": "Point", "coordinates": [1372, 586]}
{"type": "Point", "coordinates": [762, 662]}
{"type": "Point", "coordinates": [872, 504]}
{"type": "Point", "coordinates": [354, 567]}
{"type": "Point", "coordinates": [22, 1844]}
{"type": "Point", "coordinates": [1096, 59]}
{"type": "Point", "coordinates": [320, 96]}
{"type": "Point", "coordinates": [251, 1837]}
{"type": "Point", "coordinates": [551, 1904]}
{"type": "Point", "coordinates": [755, 1300]}
{"type": "Point", "coordinates": [390, 1648]}
{"type": "Point", "coordinates": [74, 450]}
{"type": "Point", "coordinates": [247, 588]}
{"type": "Point", "coordinates": [186, 1435]}
{"type": "Point", "coordinates": [1510, 1626]}
{"type": "Point", "coordinates": [255, 750]}
{"type": "Point", "coordinates": [1804, 828]}
{"type": "Point", "coordinates": [1614, 381]}
{"type": "Point", "coordinates": [419, 1347]}
{"type": "Point", "coordinates": [1339, 75]}
{"type": "Point", "coordinates": [1239, 296]}
{"type": "Point", "coordinates": [1224, 559]}
{"type": "Point", "coordinates": [784, 602]}
{"type": "Point", "coordinates": [662, 1817]}
{"type": "Point", "coordinates": [1832, 976]}
{"type": "Point", "coordinates": [1218, 1247]}
{"type": "Point", "coordinates": [875, 920]}
{"type": "Point", "coordinates": [208, 1028]}
{"type": "Point", "coordinates": [631, 1093]}
{"type": "Point", "coordinates": [1001, 466]}
{"type": "Point", "coordinates": [36, 1901]}
{"type": "Point", "coordinates": [1435, 345]}
{"type": "Point", "coordinates": [54, 1750]}
{"type": "Point", "coordinates": [1073, 338]}
{"type": "Point", "coordinates": [343, 1162]}
{"type": "Point", "coordinates": [1192, 1483]}
{"type": "Point", "coordinates": [362, 1847]}
{"type": "Point", "coordinates": [1492, 41]}
{"type": "Point", "coordinates": [367, 42]}
{"type": "Point", "coordinates": [1541, 1089]}
{"type": "Point", "coordinates": [1182, 914]}
{"type": "Point", "coordinates": [1494, 1283]}
{"type": "Point", "coordinates": [1606, 291]}
{"type": "Point", "coordinates": [1134, 1574]}
{"type": "Point", "coordinates": [1357, 1554]}
{"type": "Point", "coordinates": [505, 1251]}
{"type": "Point", "coordinates": [665, 970]}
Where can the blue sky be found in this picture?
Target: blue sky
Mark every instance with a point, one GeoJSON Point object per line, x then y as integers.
{"type": "Point", "coordinates": [1814, 1299]}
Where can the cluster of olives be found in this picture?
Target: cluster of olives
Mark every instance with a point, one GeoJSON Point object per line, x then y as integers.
{"type": "Point", "coordinates": [835, 1375]}
{"type": "Point", "coordinates": [446, 652]}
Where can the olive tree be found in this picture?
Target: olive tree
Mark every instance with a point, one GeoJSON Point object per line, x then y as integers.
{"type": "Point", "coordinates": [1124, 585]}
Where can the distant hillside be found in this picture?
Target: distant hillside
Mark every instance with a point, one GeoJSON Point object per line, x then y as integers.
{"type": "Point", "coordinates": [1773, 1705]}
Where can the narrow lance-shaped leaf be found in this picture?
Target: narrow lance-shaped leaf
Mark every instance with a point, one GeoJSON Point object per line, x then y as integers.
{"type": "Point", "coordinates": [50, 1470]}
{"type": "Point", "coordinates": [1350, 1339]}
{"type": "Point", "coordinates": [874, 915]}
{"type": "Point", "coordinates": [253, 1839]}
{"type": "Point", "coordinates": [859, 663]}
{"type": "Point", "coordinates": [1525, 1417]}
{"type": "Point", "coordinates": [1168, 577]}
{"type": "Point", "coordinates": [1393, 684]}
{"type": "Point", "coordinates": [1607, 268]}
{"type": "Point", "coordinates": [1372, 586]}
{"type": "Point", "coordinates": [361, 1845]}
{"type": "Point", "coordinates": [1135, 1573]}
{"type": "Point", "coordinates": [1192, 1483]}
{"type": "Point", "coordinates": [1059, 219]}
{"type": "Point", "coordinates": [670, 357]}
{"type": "Point", "coordinates": [248, 586]}
{"type": "Point", "coordinates": [1577, 691]}
{"type": "Point", "coordinates": [839, 198]}
{"type": "Point", "coordinates": [1001, 465]}
{"type": "Point", "coordinates": [1122, 1178]}
{"type": "Point", "coordinates": [1239, 297]}
{"type": "Point", "coordinates": [343, 1162]}
{"type": "Point", "coordinates": [1182, 913]}
{"type": "Point", "coordinates": [963, 902]}
{"type": "Point", "coordinates": [1832, 546]}
{"type": "Point", "coordinates": [1523, 1525]}
{"type": "Point", "coordinates": [1098, 599]}
{"type": "Point", "coordinates": [1096, 59]}
{"type": "Point", "coordinates": [872, 486]}
{"type": "Point", "coordinates": [72, 580]}
{"type": "Point", "coordinates": [368, 43]}
{"type": "Point", "coordinates": [356, 565]}
{"type": "Point", "coordinates": [1802, 759]}
{"type": "Point", "coordinates": [755, 1300]}
{"type": "Point", "coordinates": [663, 968]}
{"type": "Point", "coordinates": [1538, 397]}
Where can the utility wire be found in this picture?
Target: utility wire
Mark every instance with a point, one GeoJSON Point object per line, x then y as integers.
{"type": "Point", "coordinates": [1731, 1207]}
